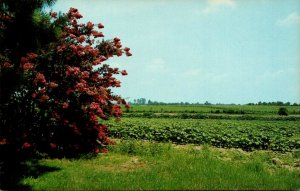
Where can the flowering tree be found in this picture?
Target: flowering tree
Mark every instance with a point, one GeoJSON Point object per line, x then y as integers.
{"type": "Point", "coordinates": [66, 90]}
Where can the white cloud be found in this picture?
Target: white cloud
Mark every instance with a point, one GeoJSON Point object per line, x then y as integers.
{"type": "Point", "coordinates": [291, 19]}
{"type": "Point", "coordinates": [156, 65]}
{"type": "Point", "coordinates": [215, 5]}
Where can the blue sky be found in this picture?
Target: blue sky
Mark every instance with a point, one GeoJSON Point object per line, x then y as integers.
{"type": "Point", "coordinates": [221, 51]}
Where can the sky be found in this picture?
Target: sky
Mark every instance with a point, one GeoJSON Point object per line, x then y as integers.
{"type": "Point", "coordinates": [220, 51]}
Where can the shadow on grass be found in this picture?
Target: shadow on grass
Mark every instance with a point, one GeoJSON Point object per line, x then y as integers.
{"type": "Point", "coordinates": [16, 166]}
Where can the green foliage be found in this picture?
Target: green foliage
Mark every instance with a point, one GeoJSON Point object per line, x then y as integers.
{"type": "Point", "coordinates": [283, 111]}
{"type": "Point", "coordinates": [248, 135]}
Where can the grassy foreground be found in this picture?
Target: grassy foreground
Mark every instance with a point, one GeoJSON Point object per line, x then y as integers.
{"type": "Point", "coordinates": [134, 165]}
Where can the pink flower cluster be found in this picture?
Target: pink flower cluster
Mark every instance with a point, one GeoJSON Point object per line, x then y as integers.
{"type": "Point", "coordinates": [72, 83]}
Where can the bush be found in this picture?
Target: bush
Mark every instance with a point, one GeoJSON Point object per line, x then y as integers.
{"type": "Point", "coordinates": [283, 111]}
{"type": "Point", "coordinates": [66, 89]}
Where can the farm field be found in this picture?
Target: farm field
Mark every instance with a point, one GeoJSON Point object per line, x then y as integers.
{"type": "Point", "coordinates": [168, 148]}
{"type": "Point", "coordinates": [233, 126]}
{"type": "Point", "coordinates": [248, 109]}
{"type": "Point", "coordinates": [245, 134]}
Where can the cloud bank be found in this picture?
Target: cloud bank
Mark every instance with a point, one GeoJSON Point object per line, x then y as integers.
{"type": "Point", "coordinates": [291, 20]}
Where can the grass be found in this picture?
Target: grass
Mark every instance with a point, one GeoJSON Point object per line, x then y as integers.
{"type": "Point", "coordinates": [134, 165]}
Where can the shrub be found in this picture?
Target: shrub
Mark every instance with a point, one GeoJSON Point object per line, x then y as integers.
{"type": "Point", "coordinates": [283, 111]}
{"type": "Point", "coordinates": [66, 90]}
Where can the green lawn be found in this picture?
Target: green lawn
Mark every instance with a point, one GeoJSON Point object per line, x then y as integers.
{"type": "Point", "coordinates": [137, 165]}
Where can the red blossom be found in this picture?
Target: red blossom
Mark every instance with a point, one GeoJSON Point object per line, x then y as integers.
{"type": "Point", "coordinates": [85, 74]}
{"type": "Point", "coordinates": [39, 78]}
{"type": "Point", "coordinates": [94, 106]}
{"type": "Point", "coordinates": [32, 56]}
{"type": "Point", "coordinates": [128, 54]}
{"type": "Point", "coordinates": [118, 44]}
{"type": "Point", "coordinates": [53, 85]}
{"type": "Point", "coordinates": [27, 66]}
{"type": "Point", "coordinates": [100, 26]}
{"type": "Point", "coordinates": [81, 38]}
{"type": "Point", "coordinates": [97, 34]}
{"type": "Point", "coordinates": [73, 12]}
{"type": "Point", "coordinates": [65, 105]}
{"type": "Point", "coordinates": [73, 48]}
{"type": "Point", "coordinates": [124, 72]}
{"type": "Point", "coordinates": [52, 145]}
{"type": "Point", "coordinates": [126, 49]}
{"type": "Point", "coordinates": [90, 25]}
{"type": "Point", "coordinates": [103, 150]}
{"type": "Point", "coordinates": [72, 71]}
{"type": "Point", "coordinates": [26, 145]}
{"type": "Point", "coordinates": [7, 65]}
{"type": "Point", "coordinates": [42, 91]}
{"type": "Point", "coordinates": [44, 98]}
{"type": "Point", "coordinates": [72, 36]}
{"type": "Point", "coordinates": [93, 118]}
{"type": "Point", "coordinates": [24, 60]}
{"type": "Point", "coordinates": [33, 95]}
{"type": "Point", "coordinates": [116, 39]}
{"type": "Point", "coordinates": [102, 58]}
{"type": "Point", "coordinates": [116, 110]}
{"type": "Point", "coordinates": [3, 142]}
{"type": "Point", "coordinates": [53, 14]}
{"type": "Point", "coordinates": [127, 106]}
{"type": "Point", "coordinates": [119, 53]}
{"type": "Point", "coordinates": [66, 122]}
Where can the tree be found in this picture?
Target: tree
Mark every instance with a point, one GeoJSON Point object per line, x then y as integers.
{"type": "Point", "coordinates": [283, 111]}
{"type": "Point", "coordinates": [64, 89]}
{"type": "Point", "coordinates": [23, 28]}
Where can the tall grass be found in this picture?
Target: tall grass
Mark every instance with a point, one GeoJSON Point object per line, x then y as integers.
{"type": "Point", "coordinates": [134, 165]}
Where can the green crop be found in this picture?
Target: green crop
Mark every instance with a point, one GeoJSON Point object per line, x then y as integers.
{"type": "Point", "coordinates": [246, 134]}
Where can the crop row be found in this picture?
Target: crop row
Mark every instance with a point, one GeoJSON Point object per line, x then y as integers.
{"type": "Point", "coordinates": [211, 116]}
{"type": "Point", "coordinates": [248, 135]}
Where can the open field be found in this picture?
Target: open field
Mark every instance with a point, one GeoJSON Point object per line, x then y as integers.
{"type": "Point", "coordinates": [247, 109]}
{"type": "Point", "coordinates": [186, 147]}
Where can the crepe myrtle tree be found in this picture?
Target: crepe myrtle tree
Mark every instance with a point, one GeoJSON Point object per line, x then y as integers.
{"type": "Point", "coordinates": [66, 88]}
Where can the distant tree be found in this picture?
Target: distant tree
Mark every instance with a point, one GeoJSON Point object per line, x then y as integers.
{"type": "Point", "coordinates": [279, 103]}
{"type": "Point", "coordinates": [283, 111]}
{"type": "Point", "coordinates": [142, 101]}
{"type": "Point", "coordinates": [207, 103]}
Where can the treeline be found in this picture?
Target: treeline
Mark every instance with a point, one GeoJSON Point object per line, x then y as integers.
{"type": "Point", "coordinates": [277, 103]}
{"type": "Point", "coordinates": [143, 101]}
